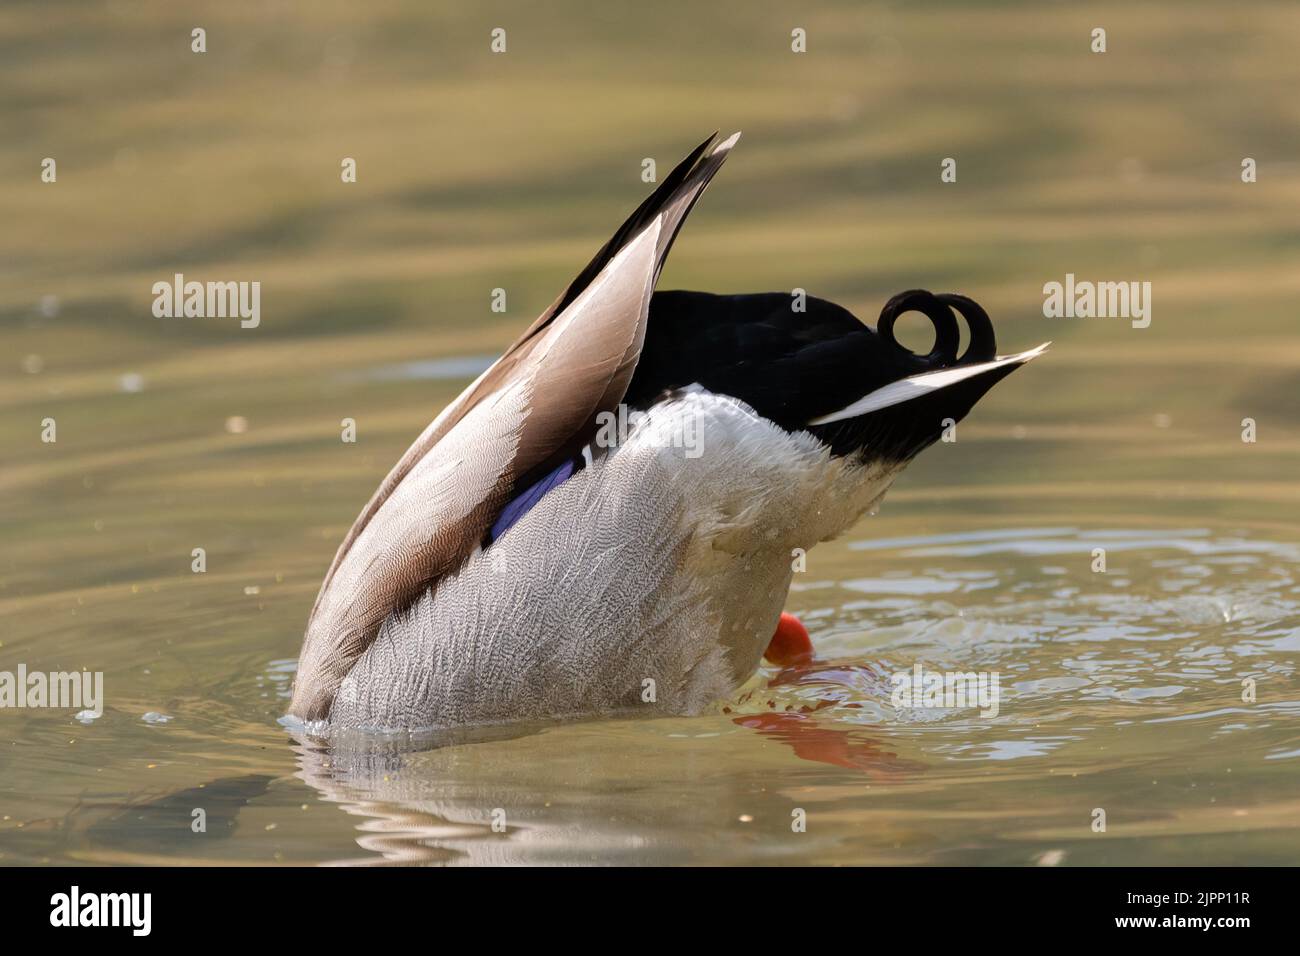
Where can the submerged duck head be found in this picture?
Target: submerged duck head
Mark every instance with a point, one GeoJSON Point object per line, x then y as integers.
{"type": "Point", "coordinates": [523, 560]}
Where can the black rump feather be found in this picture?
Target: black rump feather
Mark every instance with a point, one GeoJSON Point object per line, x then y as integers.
{"type": "Point", "coordinates": [792, 367]}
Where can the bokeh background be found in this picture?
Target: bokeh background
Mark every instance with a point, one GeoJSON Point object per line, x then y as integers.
{"type": "Point", "coordinates": [478, 171]}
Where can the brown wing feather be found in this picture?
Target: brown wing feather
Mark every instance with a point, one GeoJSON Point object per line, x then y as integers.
{"type": "Point", "coordinates": [539, 398]}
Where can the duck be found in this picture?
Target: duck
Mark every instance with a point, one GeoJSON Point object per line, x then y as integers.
{"type": "Point", "coordinates": [608, 519]}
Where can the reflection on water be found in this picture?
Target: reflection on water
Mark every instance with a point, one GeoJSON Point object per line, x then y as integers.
{"type": "Point", "coordinates": [1126, 696]}
{"type": "Point", "coordinates": [166, 822]}
{"type": "Point", "coordinates": [1123, 700]}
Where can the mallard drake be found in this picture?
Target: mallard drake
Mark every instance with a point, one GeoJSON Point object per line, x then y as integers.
{"type": "Point", "coordinates": [608, 518]}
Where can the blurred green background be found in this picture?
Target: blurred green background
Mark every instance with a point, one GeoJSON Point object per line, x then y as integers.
{"type": "Point", "coordinates": [478, 170]}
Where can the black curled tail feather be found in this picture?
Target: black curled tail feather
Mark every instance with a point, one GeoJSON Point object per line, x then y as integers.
{"type": "Point", "coordinates": [939, 310]}
{"type": "Point", "coordinates": [898, 432]}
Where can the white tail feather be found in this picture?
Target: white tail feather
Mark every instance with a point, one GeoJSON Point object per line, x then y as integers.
{"type": "Point", "coordinates": [917, 386]}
